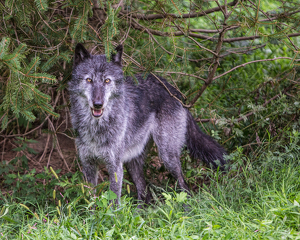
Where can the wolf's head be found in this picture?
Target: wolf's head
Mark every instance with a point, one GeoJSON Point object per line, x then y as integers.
{"type": "Point", "coordinates": [95, 79]}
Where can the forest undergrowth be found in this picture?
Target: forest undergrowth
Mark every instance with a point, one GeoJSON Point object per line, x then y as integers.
{"type": "Point", "coordinates": [257, 198]}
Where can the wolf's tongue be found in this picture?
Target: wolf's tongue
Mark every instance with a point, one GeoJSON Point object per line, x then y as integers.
{"type": "Point", "coordinates": [97, 113]}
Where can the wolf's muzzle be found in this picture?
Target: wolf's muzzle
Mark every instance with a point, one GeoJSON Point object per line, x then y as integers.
{"type": "Point", "coordinates": [97, 111]}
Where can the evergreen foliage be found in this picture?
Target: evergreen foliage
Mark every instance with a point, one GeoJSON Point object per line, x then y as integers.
{"type": "Point", "coordinates": [22, 95]}
{"type": "Point", "coordinates": [110, 29]}
{"type": "Point", "coordinates": [199, 46]}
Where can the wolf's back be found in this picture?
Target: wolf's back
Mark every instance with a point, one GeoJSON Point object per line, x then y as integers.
{"type": "Point", "coordinates": [202, 146]}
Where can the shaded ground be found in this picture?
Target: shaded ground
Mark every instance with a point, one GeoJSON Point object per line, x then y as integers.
{"type": "Point", "coordinates": [65, 159]}
{"type": "Point", "coordinates": [62, 154]}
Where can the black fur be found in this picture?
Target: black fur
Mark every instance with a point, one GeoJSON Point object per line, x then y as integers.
{"type": "Point", "coordinates": [202, 146]}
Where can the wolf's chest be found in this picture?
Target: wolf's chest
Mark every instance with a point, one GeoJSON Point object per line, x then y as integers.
{"type": "Point", "coordinates": [96, 144]}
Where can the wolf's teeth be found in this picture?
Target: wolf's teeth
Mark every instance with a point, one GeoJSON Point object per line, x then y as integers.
{"type": "Point", "coordinates": [97, 113]}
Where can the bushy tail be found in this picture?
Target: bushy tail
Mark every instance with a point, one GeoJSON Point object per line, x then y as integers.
{"type": "Point", "coordinates": [202, 146]}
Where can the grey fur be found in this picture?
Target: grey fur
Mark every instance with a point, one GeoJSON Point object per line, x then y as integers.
{"type": "Point", "coordinates": [132, 116]}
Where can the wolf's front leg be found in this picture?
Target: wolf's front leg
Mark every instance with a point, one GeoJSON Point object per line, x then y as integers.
{"type": "Point", "coordinates": [90, 171]}
{"type": "Point", "coordinates": [116, 177]}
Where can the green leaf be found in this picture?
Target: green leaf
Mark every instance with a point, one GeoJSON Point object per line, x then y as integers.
{"type": "Point", "coordinates": [9, 220]}
{"type": "Point", "coordinates": [181, 197]}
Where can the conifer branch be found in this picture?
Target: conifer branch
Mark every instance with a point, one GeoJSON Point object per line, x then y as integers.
{"type": "Point", "coordinates": [201, 36]}
{"type": "Point", "coordinates": [187, 15]}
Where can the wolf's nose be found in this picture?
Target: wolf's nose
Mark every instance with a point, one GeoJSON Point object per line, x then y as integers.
{"type": "Point", "coordinates": [98, 105]}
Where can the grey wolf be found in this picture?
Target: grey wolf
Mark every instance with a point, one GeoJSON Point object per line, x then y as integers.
{"type": "Point", "coordinates": [117, 120]}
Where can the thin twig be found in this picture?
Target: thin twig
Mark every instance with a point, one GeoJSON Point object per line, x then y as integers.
{"type": "Point", "coordinates": [57, 145]}
{"type": "Point", "coordinates": [181, 73]}
{"type": "Point", "coordinates": [46, 148]}
{"type": "Point", "coordinates": [171, 94]}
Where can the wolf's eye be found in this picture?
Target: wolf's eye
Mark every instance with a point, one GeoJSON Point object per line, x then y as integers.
{"type": "Point", "coordinates": [89, 80]}
{"type": "Point", "coordinates": [107, 80]}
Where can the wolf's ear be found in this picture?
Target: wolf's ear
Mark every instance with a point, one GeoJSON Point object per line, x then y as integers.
{"type": "Point", "coordinates": [117, 58]}
{"type": "Point", "coordinates": [80, 54]}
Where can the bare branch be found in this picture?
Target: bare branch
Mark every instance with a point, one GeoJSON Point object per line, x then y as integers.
{"type": "Point", "coordinates": [210, 30]}
{"type": "Point", "coordinates": [205, 120]}
{"type": "Point", "coordinates": [261, 60]}
{"type": "Point", "coordinates": [236, 39]}
{"type": "Point", "coordinates": [239, 51]}
{"type": "Point", "coordinates": [215, 64]}
{"type": "Point", "coordinates": [204, 30]}
{"type": "Point", "coordinates": [254, 37]}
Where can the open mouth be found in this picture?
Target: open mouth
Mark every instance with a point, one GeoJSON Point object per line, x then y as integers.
{"type": "Point", "coordinates": [97, 112]}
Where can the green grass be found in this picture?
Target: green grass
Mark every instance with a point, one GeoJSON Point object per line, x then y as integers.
{"type": "Point", "coordinates": [257, 199]}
